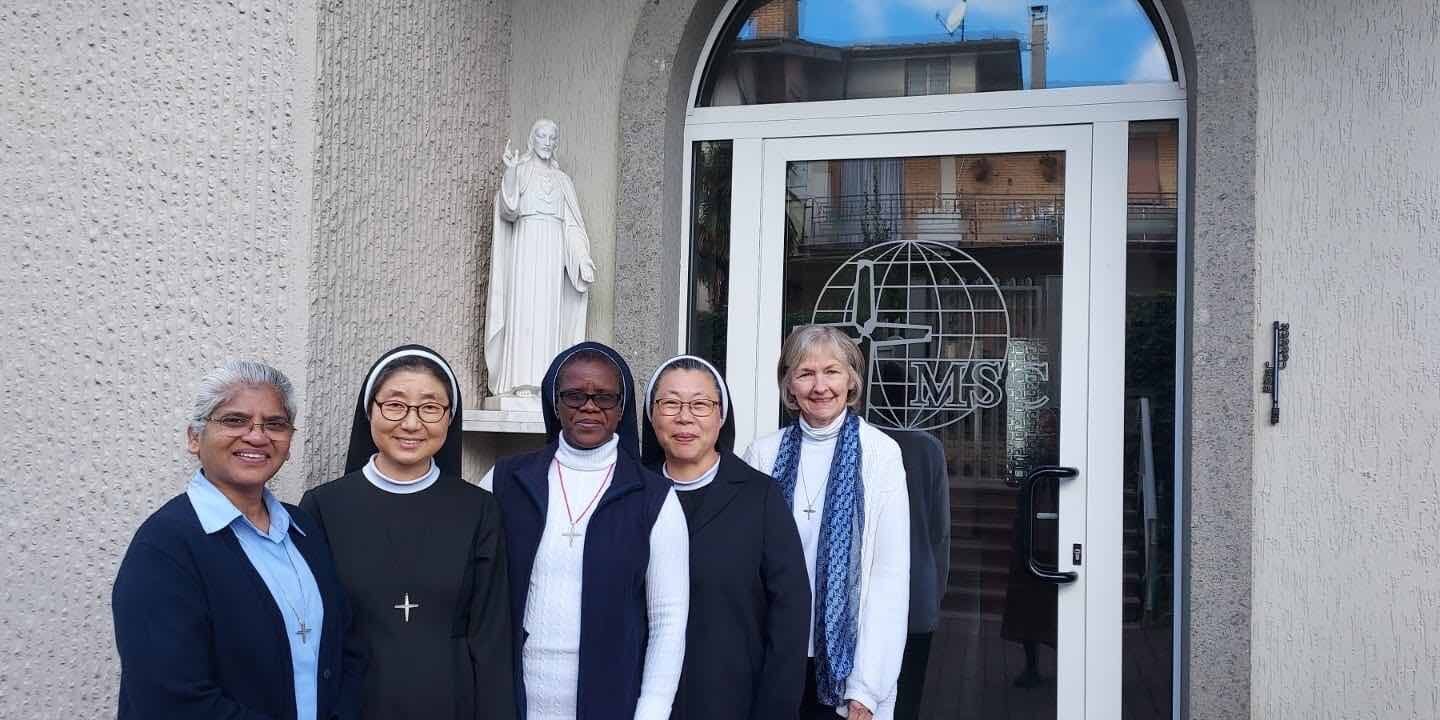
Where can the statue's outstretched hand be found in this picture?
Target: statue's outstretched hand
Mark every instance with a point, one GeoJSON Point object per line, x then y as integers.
{"type": "Point", "coordinates": [587, 271]}
{"type": "Point", "coordinates": [511, 158]}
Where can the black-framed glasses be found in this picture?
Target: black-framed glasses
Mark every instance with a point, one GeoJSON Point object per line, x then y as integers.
{"type": "Point", "coordinates": [670, 407]}
{"type": "Point", "coordinates": [395, 411]}
{"type": "Point", "coordinates": [576, 399]}
{"type": "Point", "coordinates": [241, 425]}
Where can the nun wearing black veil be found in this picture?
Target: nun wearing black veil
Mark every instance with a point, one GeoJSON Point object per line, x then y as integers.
{"type": "Point", "coordinates": [599, 571]}
{"type": "Point", "coordinates": [419, 551]}
{"type": "Point", "coordinates": [745, 647]}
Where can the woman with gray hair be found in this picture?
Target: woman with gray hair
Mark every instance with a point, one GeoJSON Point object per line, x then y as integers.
{"type": "Point", "coordinates": [227, 603]}
{"type": "Point", "coordinates": [845, 483]}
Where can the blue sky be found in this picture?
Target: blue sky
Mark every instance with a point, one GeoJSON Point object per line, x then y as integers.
{"type": "Point", "coordinates": [1091, 41]}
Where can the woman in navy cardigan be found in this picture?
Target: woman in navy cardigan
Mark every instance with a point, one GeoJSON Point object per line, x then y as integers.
{"type": "Point", "coordinates": [227, 604]}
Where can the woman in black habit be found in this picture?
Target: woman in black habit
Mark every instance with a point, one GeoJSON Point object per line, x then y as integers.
{"type": "Point", "coordinates": [419, 551]}
{"type": "Point", "coordinates": [745, 648]}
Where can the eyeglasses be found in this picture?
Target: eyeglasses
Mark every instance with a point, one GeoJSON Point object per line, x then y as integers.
{"type": "Point", "coordinates": [395, 411]}
{"type": "Point", "coordinates": [240, 426]}
{"type": "Point", "coordinates": [671, 407]}
{"type": "Point", "coordinates": [576, 399]}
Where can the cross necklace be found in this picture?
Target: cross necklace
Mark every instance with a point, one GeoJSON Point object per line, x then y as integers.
{"type": "Point", "coordinates": [411, 543]}
{"type": "Point", "coordinates": [572, 533]}
{"type": "Point", "coordinates": [809, 499]}
{"type": "Point", "coordinates": [305, 630]}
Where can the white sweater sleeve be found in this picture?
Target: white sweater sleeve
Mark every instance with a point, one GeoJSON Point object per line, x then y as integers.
{"type": "Point", "coordinates": [667, 592]}
{"type": "Point", "coordinates": [885, 596]}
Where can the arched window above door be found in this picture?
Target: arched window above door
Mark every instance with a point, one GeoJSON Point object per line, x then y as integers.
{"type": "Point", "coordinates": [780, 51]}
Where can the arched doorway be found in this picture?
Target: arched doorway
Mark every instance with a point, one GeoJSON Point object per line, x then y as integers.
{"type": "Point", "coordinates": [1000, 226]}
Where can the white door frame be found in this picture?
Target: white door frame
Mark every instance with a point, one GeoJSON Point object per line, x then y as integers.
{"type": "Point", "coordinates": [1092, 348]}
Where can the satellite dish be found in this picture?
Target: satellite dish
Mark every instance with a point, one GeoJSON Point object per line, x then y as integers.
{"type": "Point", "coordinates": [955, 19]}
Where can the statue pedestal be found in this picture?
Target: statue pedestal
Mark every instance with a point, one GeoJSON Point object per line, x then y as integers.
{"type": "Point", "coordinates": [493, 434]}
{"type": "Point", "coordinates": [514, 422]}
{"type": "Point", "coordinates": [512, 403]}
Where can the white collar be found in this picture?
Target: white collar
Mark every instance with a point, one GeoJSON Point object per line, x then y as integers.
{"type": "Point", "coordinates": [700, 482]}
{"type": "Point", "coordinates": [400, 487]}
{"type": "Point", "coordinates": [821, 434]}
{"type": "Point", "coordinates": [596, 458]}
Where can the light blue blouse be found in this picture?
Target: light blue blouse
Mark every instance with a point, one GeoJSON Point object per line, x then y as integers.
{"type": "Point", "coordinates": [285, 572]}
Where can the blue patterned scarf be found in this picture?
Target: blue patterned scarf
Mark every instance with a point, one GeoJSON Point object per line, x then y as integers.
{"type": "Point", "coordinates": [837, 562]}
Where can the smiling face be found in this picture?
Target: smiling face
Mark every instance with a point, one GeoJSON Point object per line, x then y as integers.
{"type": "Point", "coordinates": [820, 383]}
{"type": "Point", "coordinates": [407, 445]}
{"type": "Point", "coordinates": [544, 139]}
{"type": "Point", "coordinates": [242, 463]}
{"type": "Point", "coordinates": [687, 439]}
{"type": "Point", "coordinates": [589, 426]}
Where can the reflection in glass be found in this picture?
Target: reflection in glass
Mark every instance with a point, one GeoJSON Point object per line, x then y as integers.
{"type": "Point", "coordinates": [710, 250]}
{"type": "Point", "coordinates": [947, 269]}
{"type": "Point", "coordinates": [1150, 326]}
{"type": "Point", "coordinates": [777, 51]}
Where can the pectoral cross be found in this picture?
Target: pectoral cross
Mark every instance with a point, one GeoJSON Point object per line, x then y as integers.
{"type": "Point", "coordinates": [810, 512]}
{"type": "Point", "coordinates": [304, 633]}
{"type": "Point", "coordinates": [407, 607]}
{"type": "Point", "coordinates": [572, 534]}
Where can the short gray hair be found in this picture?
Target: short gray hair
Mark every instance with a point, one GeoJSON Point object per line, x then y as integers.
{"type": "Point", "coordinates": [221, 384]}
{"type": "Point", "coordinates": [807, 339]}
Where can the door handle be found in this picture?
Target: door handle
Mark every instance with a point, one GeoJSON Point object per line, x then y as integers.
{"type": "Point", "coordinates": [1027, 516]}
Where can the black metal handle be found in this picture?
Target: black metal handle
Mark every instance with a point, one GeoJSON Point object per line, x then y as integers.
{"type": "Point", "coordinates": [1027, 518]}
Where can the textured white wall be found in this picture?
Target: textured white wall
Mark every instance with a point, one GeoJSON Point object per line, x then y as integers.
{"type": "Point", "coordinates": [1346, 620]}
{"type": "Point", "coordinates": [411, 107]}
{"type": "Point", "coordinates": [567, 59]}
{"type": "Point", "coordinates": [153, 221]}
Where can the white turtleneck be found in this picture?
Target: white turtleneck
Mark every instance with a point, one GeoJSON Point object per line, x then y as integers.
{"type": "Point", "coordinates": [699, 482]}
{"type": "Point", "coordinates": [817, 449]}
{"type": "Point", "coordinates": [400, 487]}
{"type": "Point", "coordinates": [884, 550]}
{"type": "Point", "coordinates": [551, 654]}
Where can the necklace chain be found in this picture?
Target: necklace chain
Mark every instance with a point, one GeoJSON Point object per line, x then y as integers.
{"type": "Point", "coordinates": [564, 494]}
{"type": "Point", "coordinates": [304, 630]}
{"type": "Point", "coordinates": [809, 499]}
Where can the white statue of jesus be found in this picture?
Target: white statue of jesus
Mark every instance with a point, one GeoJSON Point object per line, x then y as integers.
{"type": "Point", "coordinates": [540, 269]}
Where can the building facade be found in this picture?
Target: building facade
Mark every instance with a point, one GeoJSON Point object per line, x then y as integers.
{"type": "Point", "coordinates": [310, 183]}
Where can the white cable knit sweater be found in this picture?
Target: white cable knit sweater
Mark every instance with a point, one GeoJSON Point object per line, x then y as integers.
{"type": "Point", "coordinates": [552, 612]}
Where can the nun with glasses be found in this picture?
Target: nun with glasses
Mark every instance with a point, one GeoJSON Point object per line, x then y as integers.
{"type": "Point", "coordinates": [227, 604]}
{"type": "Point", "coordinates": [844, 481]}
{"type": "Point", "coordinates": [749, 592]}
{"type": "Point", "coordinates": [419, 550]}
{"type": "Point", "coordinates": [599, 558]}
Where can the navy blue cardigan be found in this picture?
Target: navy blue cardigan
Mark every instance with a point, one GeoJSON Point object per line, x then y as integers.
{"type": "Point", "coordinates": [200, 636]}
{"type": "Point", "coordinates": [614, 619]}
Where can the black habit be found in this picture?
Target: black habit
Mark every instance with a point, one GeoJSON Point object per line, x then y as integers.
{"type": "Point", "coordinates": [749, 625]}
{"type": "Point", "coordinates": [439, 552]}
{"type": "Point", "coordinates": [749, 601]}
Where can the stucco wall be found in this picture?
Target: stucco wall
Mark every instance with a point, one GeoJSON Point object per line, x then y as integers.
{"type": "Point", "coordinates": [153, 214]}
{"type": "Point", "coordinates": [411, 111]}
{"type": "Point", "coordinates": [566, 63]}
{"type": "Point", "coordinates": [1347, 541]}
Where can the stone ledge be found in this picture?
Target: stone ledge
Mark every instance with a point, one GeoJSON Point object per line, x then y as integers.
{"type": "Point", "coordinates": [515, 422]}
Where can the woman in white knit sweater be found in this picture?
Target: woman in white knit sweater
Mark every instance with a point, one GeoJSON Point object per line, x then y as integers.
{"type": "Point", "coordinates": [845, 483]}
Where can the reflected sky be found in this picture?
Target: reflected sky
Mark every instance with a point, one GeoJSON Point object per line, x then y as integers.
{"type": "Point", "coordinates": [1091, 42]}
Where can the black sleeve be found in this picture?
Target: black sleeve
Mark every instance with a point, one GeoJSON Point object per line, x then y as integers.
{"type": "Point", "coordinates": [310, 505]}
{"type": "Point", "coordinates": [162, 632]}
{"type": "Point", "coordinates": [781, 679]}
{"type": "Point", "coordinates": [489, 634]}
{"type": "Point", "coordinates": [354, 659]}
{"type": "Point", "coordinates": [940, 521]}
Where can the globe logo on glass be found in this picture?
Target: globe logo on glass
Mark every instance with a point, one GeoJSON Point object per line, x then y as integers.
{"type": "Point", "coordinates": [932, 325]}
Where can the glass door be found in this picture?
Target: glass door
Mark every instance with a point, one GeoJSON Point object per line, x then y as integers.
{"type": "Point", "coordinates": [963, 264]}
